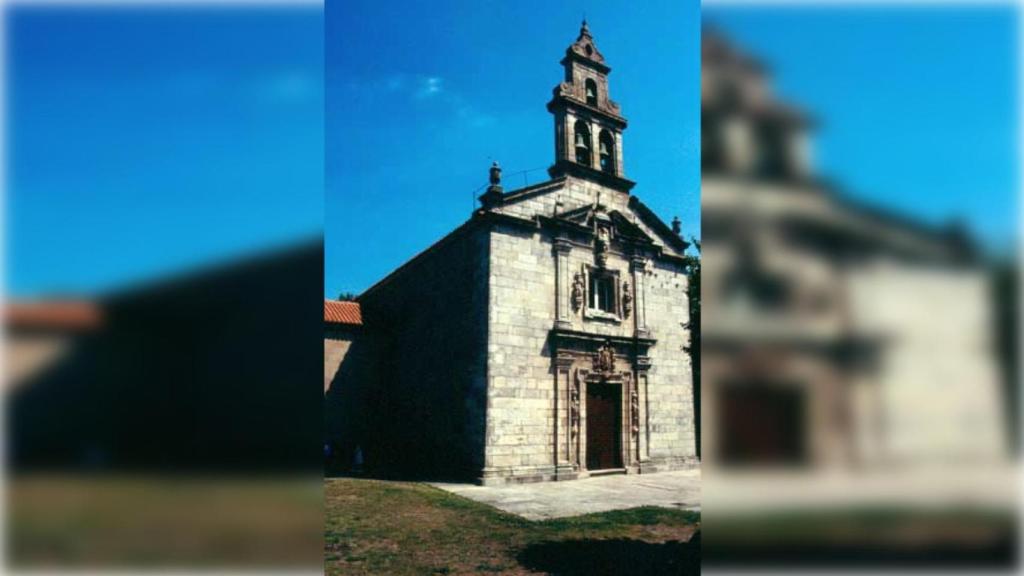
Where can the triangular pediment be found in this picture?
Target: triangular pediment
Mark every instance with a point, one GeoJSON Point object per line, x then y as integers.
{"type": "Point", "coordinates": [629, 218]}
{"type": "Point", "coordinates": [656, 227]}
{"type": "Point", "coordinates": [584, 46]}
{"type": "Point", "coordinates": [592, 215]}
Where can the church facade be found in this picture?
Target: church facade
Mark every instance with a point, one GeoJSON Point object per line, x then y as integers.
{"type": "Point", "coordinates": [837, 335]}
{"type": "Point", "coordinates": [545, 338]}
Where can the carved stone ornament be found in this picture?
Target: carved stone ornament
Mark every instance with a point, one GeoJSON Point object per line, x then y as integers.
{"type": "Point", "coordinates": [577, 292]}
{"type": "Point", "coordinates": [627, 299]}
{"type": "Point", "coordinates": [574, 408]}
{"type": "Point", "coordinates": [601, 248]}
{"type": "Point", "coordinates": [604, 359]}
{"type": "Point", "coordinates": [634, 410]}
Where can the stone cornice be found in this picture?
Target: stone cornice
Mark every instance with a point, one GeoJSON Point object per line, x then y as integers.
{"type": "Point", "coordinates": [570, 55]}
{"type": "Point", "coordinates": [527, 192]}
{"type": "Point", "coordinates": [564, 335]}
{"type": "Point", "coordinates": [563, 167]}
{"type": "Point", "coordinates": [652, 220]}
{"type": "Point", "coordinates": [560, 101]}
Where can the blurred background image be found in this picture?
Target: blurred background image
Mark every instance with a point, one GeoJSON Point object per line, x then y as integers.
{"type": "Point", "coordinates": [859, 386]}
{"type": "Point", "coordinates": [164, 209]}
{"type": "Point", "coordinates": [164, 326]}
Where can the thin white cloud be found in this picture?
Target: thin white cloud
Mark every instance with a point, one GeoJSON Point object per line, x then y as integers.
{"type": "Point", "coordinates": [430, 90]}
{"type": "Point", "coordinates": [429, 87]}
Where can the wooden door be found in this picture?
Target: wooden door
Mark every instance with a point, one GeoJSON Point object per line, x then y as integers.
{"type": "Point", "coordinates": [762, 424]}
{"type": "Point", "coordinates": [603, 426]}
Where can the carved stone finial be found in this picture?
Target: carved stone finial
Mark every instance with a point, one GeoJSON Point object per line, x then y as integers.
{"type": "Point", "coordinates": [495, 174]}
{"type": "Point", "coordinates": [584, 29]}
{"type": "Point", "coordinates": [677, 226]}
{"type": "Point", "coordinates": [493, 196]}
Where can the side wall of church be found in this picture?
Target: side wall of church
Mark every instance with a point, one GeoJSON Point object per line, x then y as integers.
{"type": "Point", "coordinates": [427, 335]}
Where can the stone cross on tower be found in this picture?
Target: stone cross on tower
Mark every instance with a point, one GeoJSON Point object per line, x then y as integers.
{"type": "Point", "coordinates": [588, 124]}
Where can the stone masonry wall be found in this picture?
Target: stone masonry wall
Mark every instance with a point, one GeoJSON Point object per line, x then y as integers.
{"type": "Point", "coordinates": [427, 338]}
{"type": "Point", "coordinates": [336, 346]}
{"type": "Point", "coordinates": [521, 378]}
{"type": "Point", "coordinates": [670, 379]}
{"type": "Point", "coordinates": [520, 399]}
{"type": "Point", "coordinates": [573, 194]}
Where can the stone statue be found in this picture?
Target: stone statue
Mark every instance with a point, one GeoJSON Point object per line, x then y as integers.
{"type": "Point", "coordinates": [604, 359]}
{"type": "Point", "coordinates": [601, 248]}
{"type": "Point", "coordinates": [577, 292]}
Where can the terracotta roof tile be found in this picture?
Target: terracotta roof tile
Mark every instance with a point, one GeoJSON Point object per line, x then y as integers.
{"type": "Point", "coordinates": [59, 314]}
{"type": "Point", "coordinates": [337, 312]}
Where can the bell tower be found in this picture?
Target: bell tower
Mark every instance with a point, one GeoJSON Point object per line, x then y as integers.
{"type": "Point", "coordinates": [588, 124]}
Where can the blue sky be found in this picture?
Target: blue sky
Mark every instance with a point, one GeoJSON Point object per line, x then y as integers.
{"type": "Point", "coordinates": [918, 106]}
{"type": "Point", "coordinates": [422, 96]}
{"type": "Point", "coordinates": [142, 142]}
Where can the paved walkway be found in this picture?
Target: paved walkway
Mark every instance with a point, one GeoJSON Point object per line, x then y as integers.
{"type": "Point", "coordinates": [962, 485]}
{"type": "Point", "coordinates": [543, 500]}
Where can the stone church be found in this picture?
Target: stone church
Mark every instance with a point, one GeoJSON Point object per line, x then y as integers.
{"type": "Point", "coordinates": [543, 339]}
{"type": "Point", "coordinates": [837, 335]}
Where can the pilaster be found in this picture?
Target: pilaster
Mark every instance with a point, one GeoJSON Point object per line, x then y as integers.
{"type": "Point", "coordinates": [638, 266]}
{"type": "Point", "coordinates": [563, 309]}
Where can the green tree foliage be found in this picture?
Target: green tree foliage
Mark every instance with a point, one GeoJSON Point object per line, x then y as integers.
{"type": "Point", "coordinates": [693, 295]}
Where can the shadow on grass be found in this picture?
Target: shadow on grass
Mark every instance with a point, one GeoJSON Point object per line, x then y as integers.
{"type": "Point", "coordinates": [997, 556]}
{"type": "Point", "coordinates": [616, 556]}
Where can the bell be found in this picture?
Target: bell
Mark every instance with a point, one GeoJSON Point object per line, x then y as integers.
{"type": "Point", "coordinates": [590, 93]}
{"type": "Point", "coordinates": [604, 148]}
{"type": "Point", "coordinates": [580, 142]}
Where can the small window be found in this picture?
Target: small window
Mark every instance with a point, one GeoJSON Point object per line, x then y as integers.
{"type": "Point", "coordinates": [602, 293]}
{"type": "Point", "coordinates": [591, 88]}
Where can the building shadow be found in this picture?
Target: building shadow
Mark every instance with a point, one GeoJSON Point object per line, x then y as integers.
{"type": "Point", "coordinates": [614, 556]}
{"type": "Point", "coordinates": [204, 372]}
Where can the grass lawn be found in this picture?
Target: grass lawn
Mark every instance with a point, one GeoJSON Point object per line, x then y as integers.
{"type": "Point", "coordinates": [861, 537]}
{"type": "Point", "coordinates": [375, 527]}
{"type": "Point", "coordinates": [150, 522]}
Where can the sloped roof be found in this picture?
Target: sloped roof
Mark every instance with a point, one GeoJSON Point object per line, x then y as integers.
{"type": "Point", "coordinates": [53, 314]}
{"type": "Point", "coordinates": [337, 312]}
